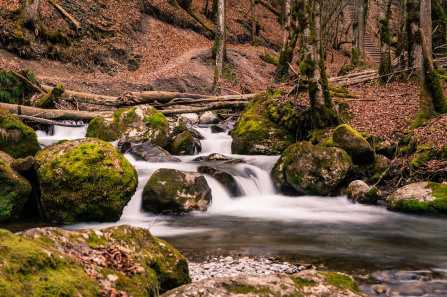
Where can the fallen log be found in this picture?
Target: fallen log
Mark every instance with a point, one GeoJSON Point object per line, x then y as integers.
{"type": "Point", "coordinates": [27, 82]}
{"type": "Point", "coordinates": [135, 98]}
{"type": "Point", "coordinates": [66, 14]}
{"type": "Point", "coordinates": [269, 7]}
{"type": "Point", "coordinates": [48, 122]}
{"type": "Point", "coordinates": [53, 114]}
{"type": "Point", "coordinates": [236, 104]}
{"type": "Point", "coordinates": [47, 101]}
{"type": "Point", "coordinates": [86, 97]}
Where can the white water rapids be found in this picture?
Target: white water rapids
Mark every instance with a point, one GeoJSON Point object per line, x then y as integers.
{"type": "Point", "coordinates": [266, 222]}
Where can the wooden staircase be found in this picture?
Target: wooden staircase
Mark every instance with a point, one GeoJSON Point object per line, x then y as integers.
{"type": "Point", "coordinates": [371, 49]}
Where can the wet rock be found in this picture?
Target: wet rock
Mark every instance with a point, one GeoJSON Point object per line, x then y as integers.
{"type": "Point", "coordinates": [217, 158]}
{"type": "Point", "coordinates": [189, 118]}
{"type": "Point", "coordinates": [142, 123]}
{"type": "Point", "coordinates": [123, 146]}
{"type": "Point", "coordinates": [152, 153]}
{"type": "Point", "coordinates": [422, 198]}
{"type": "Point", "coordinates": [226, 179]}
{"type": "Point", "coordinates": [84, 180]}
{"type": "Point", "coordinates": [381, 164]}
{"type": "Point", "coordinates": [304, 283]}
{"type": "Point", "coordinates": [359, 191]}
{"type": "Point", "coordinates": [353, 143]}
{"type": "Point", "coordinates": [217, 129]}
{"type": "Point", "coordinates": [170, 190]}
{"type": "Point", "coordinates": [257, 133]}
{"type": "Point", "coordinates": [23, 165]}
{"type": "Point", "coordinates": [311, 169]}
{"type": "Point", "coordinates": [16, 138]}
{"type": "Point", "coordinates": [14, 190]}
{"type": "Point", "coordinates": [183, 144]}
{"type": "Point", "coordinates": [91, 261]}
{"type": "Point", "coordinates": [208, 117]}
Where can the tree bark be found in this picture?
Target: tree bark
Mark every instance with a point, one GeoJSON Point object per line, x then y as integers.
{"type": "Point", "coordinates": [361, 24]}
{"type": "Point", "coordinates": [254, 42]}
{"type": "Point", "coordinates": [290, 38]}
{"type": "Point", "coordinates": [32, 13]}
{"type": "Point", "coordinates": [74, 22]}
{"type": "Point", "coordinates": [385, 66]}
{"type": "Point", "coordinates": [413, 37]}
{"type": "Point", "coordinates": [219, 46]}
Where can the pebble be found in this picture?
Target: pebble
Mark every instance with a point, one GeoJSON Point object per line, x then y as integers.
{"type": "Point", "coordinates": [228, 266]}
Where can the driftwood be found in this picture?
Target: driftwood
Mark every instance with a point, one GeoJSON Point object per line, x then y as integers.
{"type": "Point", "coordinates": [66, 14]}
{"type": "Point", "coordinates": [27, 82]}
{"type": "Point", "coordinates": [48, 122]}
{"type": "Point", "coordinates": [236, 104]}
{"type": "Point", "coordinates": [53, 114]}
{"type": "Point", "coordinates": [269, 7]}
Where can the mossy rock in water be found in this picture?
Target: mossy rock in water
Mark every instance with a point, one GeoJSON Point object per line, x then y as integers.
{"type": "Point", "coordinates": [142, 123]}
{"type": "Point", "coordinates": [183, 144]}
{"type": "Point", "coordinates": [420, 198]}
{"type": "Point", "coordinates": [304, 283]}
{"type": "Point", "coordinates": [142, 265]}
{"type": "Point", "coordinates": [84, 180]}
{"type": "Point", "coordinates": [176, 191]}
{"type": "Point", "coordinates": [311, 169]}
{"type": "Point", "coordinates": [33, 268]}
{"type": "Point", "coordinates": [256, 133]}
{"type": "Point", "coordinates": [359, 191]}
{"type": "Point", "coordinates": [353, 143]}
{"type": "Point", "coordinates": [16, 138]}
{"type": "Point", "coordinates": [14, 190]}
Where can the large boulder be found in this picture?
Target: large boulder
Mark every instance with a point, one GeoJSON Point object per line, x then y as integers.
{"type": "Point", "coordinates": [14, 190]}
{"type": "Point", "coordinates": [152, 153]}
{"type": "Point", "coordinates": [256, 132]}
{"type": "Point", "coordinates": [31, 267]}
{"type": "Point", "coordinates": [359, 191]}
{"type": "Point", "coordinates": [304, 283]}
{"type": "Point", "coordinates": [16, 138]}
{"type": "Point", "coordinates": [353, 143]}
{"type": "Point", "coordinates": [119, 261]}
{"type": "Point", "coordinates": [311, 169]}
{"type": "Point", "coordinates": [84, 180]}
{"type": "Point", "coordinates": [226, 179]}
{"type": "Point", "coordinates": [183, 144]}
{"type": "Point", "coordinates": [176, 191]}
{"type": "Point", "coordinates": [142, 123]}
{"type": "Point", "coordinates": [420, 198]}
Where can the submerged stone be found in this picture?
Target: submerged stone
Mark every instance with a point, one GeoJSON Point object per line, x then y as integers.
{"type": "Point", "coordinates": [84, 180]}
{"type": "Point", "coordinates": [170, 190]}
{"type": "Point", "coordinates": [152, 153]}
{"type": "Point", "coordinates": [311, 169]}
{"type": "Point", "coordinates": [359, 191]}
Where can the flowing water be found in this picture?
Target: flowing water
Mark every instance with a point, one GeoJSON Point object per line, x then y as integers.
{"type": "Point", "coordinates": [342, 235]}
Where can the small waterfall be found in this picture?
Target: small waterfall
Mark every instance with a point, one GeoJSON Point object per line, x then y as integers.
{"type": "Point", "coordinates": [214, 142]}
{"type": "Point", "coordinates": [58, 133]}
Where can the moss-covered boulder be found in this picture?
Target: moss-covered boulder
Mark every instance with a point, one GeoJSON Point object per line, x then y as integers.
{"type": "Point", "coordinates": [14, 190]}
{"type": "Point", "coordinates": [121, 259]}
{"type": "Point", "coordinates": [420, 198]}
{"type": "Point", "coordinates": [183, 144]}
{"type": "Point", "coordinates": [257, 132]}
{"type": "Point", "coordinates": [31, 267]}
{"type": "Point", "coordinates": [353, 143]}
{"type": "Point", "coordinates": [16, 138]}
{"type": "Point", "coordinates": [142, 123]}
{"type": "Point", "coordinates": [359, 191]}
{"type": "Point", "coordinates": [311, 169]}
{"type": "Point", "coordinates": [84, 180]}
{"type": "Point", "coordinates": [304, 283]}
{"type": "Point", "coordinates": [176, 191]}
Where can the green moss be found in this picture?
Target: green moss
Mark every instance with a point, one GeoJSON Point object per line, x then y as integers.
{"type": "Point", "coordinates": [29, 270]}
{"type": "Point", "coordinates": [84, 180]}
{"type": "Point", "coordinates": [94, 240]}
{"type": "Point", "coordinates": [157, 120]}
{"type": "Point", "coordinates": [300, 282]}
{"type": "Point", "coordinates": [341, 281]}
{"type": "Point", "coordinates": [437, 206]}
{"type": "Point", "coordinates": [16, 138]}
{"type": "Point", "coordinates": [239, 288]}
{"type": "Point", "coordinates": [269, 58]}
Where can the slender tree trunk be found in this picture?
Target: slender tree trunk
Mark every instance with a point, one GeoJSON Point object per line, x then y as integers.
{"type": "Point", "coordinates": [288, 45]}
{"type": "Point", "coordinates": [322, 116]}
{"type": "Point", "coordinates": [413, 38]}
{"type": "Point", "coordinates": [355, 28]}
{"type": "Point", "coordinates": [385, 66]}
{"type": "Point", "coordinates": [219, 46]}
{"type": "Point", "coordinates": [361, 24]}
{"type": "Point", "coordinates": [426, 23]}
{"type": "Point", "coordinates": [32, 13]}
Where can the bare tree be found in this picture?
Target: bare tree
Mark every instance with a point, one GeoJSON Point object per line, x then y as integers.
{"type": "Point", "coordinates": [290, 38]}
{"type": "Point", "coordinates": [219, 46]}
{"type": "Point", "coordinates": [385, 66]}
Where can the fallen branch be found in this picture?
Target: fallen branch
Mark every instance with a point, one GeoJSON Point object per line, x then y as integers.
{"type": "Point", "coordinates": [48, 122]}
{"type": "Point", "coordinates": [237, 104]}
{"type": "Point", "coordinates": [67, 15]}
{"type": "Point", "coordinates": [269, 7]}
{"type": "Point", "coordinates": [86, 97]}
{"type": "Point", "coordinates": [27, 82]}
{"type": "Point", "coordinates": [53, 114]}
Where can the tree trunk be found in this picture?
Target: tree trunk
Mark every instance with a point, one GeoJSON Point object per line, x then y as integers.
{"type": "Point", "coordinates": [49, 99]}
{"type": "Point", "coordinates": [361, 24]}
{"type": "Point", "coordinates": [413, 38]}
{"type": "Point", "coordinates": [322, 116]}
{"type": "Point", "coordinates": [432, 98]}
{"type": "Point", "coordinates": [385, 66]}
{"type": "Point", "coordinates": [253, 23]}
{"type": "Point", "coordinates": [32, 13]}
{"type": "Point", "coordinates": [290, 38]}
{"type": "Point", "coordinates": [426, 23]}
{"type": "Point", "coordinates": [219, 46]}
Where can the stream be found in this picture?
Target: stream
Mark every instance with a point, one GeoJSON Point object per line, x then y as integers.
{"type": "Point", "coordinates": [400, 252]}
